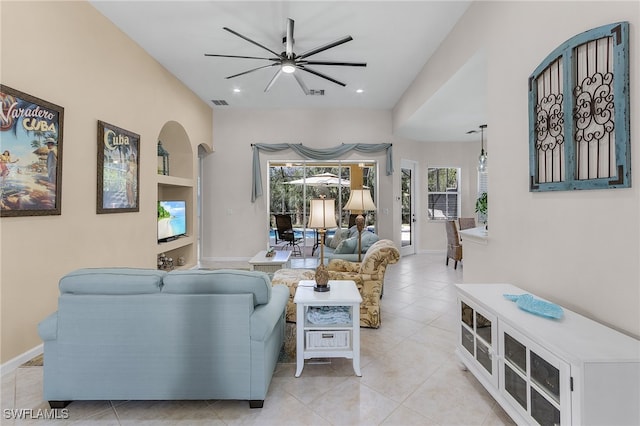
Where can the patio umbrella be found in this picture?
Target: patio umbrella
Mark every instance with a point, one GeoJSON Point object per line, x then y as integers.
{"type": "Point", "coordinates": [322, 179]}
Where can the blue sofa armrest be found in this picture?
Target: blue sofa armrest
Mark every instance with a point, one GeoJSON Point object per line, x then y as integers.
{"type": "Point", "coordinates": [266, 316]}
{"type": "Point", "coordinates": [48, 327]}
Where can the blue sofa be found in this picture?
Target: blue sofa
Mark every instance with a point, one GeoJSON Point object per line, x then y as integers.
{"type": "Point", "coordinates": [142, 334]}
{"type": "Point", "coordinates": [344, 244]}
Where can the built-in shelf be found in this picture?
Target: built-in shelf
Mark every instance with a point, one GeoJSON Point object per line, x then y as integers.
{"type": "Point", "coordinates": [180, 184]}
{"type": "Point", "coordinates": [175, 244]}
{"type": "Point", "coordinates": [175, 181]}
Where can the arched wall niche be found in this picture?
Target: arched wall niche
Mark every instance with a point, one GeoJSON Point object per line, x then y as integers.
{"type": "Point", "coordinates": [176, 142]}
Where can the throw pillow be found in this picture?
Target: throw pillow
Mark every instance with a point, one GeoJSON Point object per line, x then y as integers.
{"type": "Point", "coordinates": [336, 239]}
{"type": "Point", "coordinates": [368, 238]}
{"type": "Point", "coordinates": [348, 246]}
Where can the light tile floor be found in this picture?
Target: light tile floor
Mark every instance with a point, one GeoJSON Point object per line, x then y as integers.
{"type": "Point", "coordinates": [410, 375]}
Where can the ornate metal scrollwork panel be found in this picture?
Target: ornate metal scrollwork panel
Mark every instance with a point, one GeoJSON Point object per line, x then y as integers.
{"type": "Point", "coordinates": [594, 110]}
{"type": "Point", "coordinates": [549, 125]}
{"type": "Point", "coordinates": [581, 91]}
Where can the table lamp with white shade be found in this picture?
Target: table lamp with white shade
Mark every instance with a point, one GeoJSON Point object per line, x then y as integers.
{"type": "Point", "coordinates": [360, 200]}
{"type": "Point", "coordinates": [322, 215]}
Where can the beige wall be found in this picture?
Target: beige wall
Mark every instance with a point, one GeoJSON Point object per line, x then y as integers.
{"type": "Point", "coordinates": [70, 55]}
{"type": "Point", "coordinates": [580, 248]}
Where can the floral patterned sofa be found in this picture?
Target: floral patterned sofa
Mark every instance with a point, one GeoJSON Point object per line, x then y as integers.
{"type": "Point", "coordinates": [368, 276]}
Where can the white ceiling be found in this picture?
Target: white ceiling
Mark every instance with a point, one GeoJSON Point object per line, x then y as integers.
{"type": "Point", "coordinates": [394, 38]}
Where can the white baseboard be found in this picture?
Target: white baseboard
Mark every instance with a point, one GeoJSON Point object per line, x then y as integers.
{"type": "Point", "coordinates": [225, 259]}
{"type": "Point", "coordinates": [16, 362]}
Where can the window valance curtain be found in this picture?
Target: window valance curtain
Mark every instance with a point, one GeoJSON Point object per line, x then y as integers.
{"type": "Point", "coordinates": [312, 154]}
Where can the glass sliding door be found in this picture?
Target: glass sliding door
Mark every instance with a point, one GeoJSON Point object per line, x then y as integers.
{"type": "Point", "coordinates": [292, 184]}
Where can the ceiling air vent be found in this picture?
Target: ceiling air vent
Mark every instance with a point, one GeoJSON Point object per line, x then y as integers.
{"type": "Point", "coordinates": [314, 92]}
{"type": "Point", "coordinates": [219, 102]}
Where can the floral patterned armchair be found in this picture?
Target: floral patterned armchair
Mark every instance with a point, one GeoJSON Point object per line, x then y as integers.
{"type": "Point", "coordinates": [368, 276]}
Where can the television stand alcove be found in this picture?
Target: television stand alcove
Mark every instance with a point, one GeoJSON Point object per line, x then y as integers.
{"type": "Point", "coordinates": [179, 184]}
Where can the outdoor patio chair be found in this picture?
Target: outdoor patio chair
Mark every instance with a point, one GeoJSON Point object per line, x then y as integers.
{"type": "Point", "coordinates": [284, 232]}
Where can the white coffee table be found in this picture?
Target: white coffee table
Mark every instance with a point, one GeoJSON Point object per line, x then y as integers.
{"type": "Point", "coordinates": [327, 340]}
{"type": "Point", "coordinates": [260, 262]}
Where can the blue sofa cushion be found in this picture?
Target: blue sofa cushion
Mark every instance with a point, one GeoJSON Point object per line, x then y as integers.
{"type": "Point", "coordinates": [368, 238]}
{"type": "Point", "coordinates": [222, 281]}
{"type": "Point", "coordinates": [347, 246]}
{"type": "Point", "coordinates": [350, 245]}
{"type": "Point", "coordinates": [112, 281]}
{"type": "Point", "coordinates": [338, 236]}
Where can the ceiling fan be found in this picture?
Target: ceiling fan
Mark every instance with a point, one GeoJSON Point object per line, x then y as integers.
{"type": "Point", "coordinates": [288, 62]}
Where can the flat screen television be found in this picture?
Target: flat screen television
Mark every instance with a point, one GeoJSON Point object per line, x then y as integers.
{"type": "Point", "coordinates": [172, 220]}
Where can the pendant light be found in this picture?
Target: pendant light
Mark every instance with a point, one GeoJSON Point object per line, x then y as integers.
{"type": "Point", "coordinates": [482, 160]}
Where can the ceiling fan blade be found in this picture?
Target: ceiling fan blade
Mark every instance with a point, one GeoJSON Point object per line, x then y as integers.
{"type": "Point", "coordinates": [273, 80]}
{"type": "Point", "coordinates": [250, 41]}
{"type": "Point", "coordinates": [319, 74]}
{"type": "Point", "coordinates": [350, 64]}
{"type": "Point", "coordinates": [251, 70]}
{"type": "Point", "coordinates": [325, 47]}
{"type": "Point", "coordinates": [304, 87]}
{"type": "Point", "coordinates": [289, 48]}
{"type": "Point", "coordinates": [241, 57]}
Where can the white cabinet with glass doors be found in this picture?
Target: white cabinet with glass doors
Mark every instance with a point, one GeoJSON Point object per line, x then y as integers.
{"type": "Point", "coordinates": [568, 371]}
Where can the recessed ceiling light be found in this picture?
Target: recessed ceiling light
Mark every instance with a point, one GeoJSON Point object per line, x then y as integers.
{"type": "Point", "coordinates": [236, 90]}
{"type": "Point", "coordinates": [359, 90]}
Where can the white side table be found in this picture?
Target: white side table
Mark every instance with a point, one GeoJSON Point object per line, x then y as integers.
{"type": "Point", "coordinates": [327, 340]}
{"type": "Point", "coordinates": [260, 262]}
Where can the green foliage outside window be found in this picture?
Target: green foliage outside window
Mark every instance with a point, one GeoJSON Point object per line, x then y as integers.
{"type": "Point", "coordinates": [287, 198]}
{"type": "Point", "coordinates": [442, 188]}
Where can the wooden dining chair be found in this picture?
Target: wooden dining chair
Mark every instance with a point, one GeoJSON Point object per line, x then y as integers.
{"type": "Point", "coordinates": [454, 246]}
{"type": "Point", "coordinates": [466, 222]}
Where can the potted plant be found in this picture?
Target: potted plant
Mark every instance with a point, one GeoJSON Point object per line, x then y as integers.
{"type": "Point", "coordinates": [481, 208]}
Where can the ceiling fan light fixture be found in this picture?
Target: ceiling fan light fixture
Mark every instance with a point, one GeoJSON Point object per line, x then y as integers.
{"type": "Point", "coordinates": [289, 62]}
{"type": "Point", "coordinates": [288, 66]}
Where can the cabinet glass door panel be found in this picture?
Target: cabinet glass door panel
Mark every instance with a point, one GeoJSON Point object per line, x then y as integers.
{"type": "Point", "coordinates": [478, 339]}
{"type": "Point", "coordinates": [542, 410]}
{"type": "Point", "coordinates": [467, 339]}
{"type": "Point", "coordinates": [483, 355]}
{"type": "Point", "coordinates": [516, 386]}
{"type": "Point", "coordinates": [515, 352]}
{"type": "Point", "coordinates": [546, 376]}
{"type": "Point", "coordinates": [466, 314]}
{"type": "Point", "coordinates": [483, 327]}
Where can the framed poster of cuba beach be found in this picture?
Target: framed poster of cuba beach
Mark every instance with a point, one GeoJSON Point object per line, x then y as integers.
{"type": "Point", "coordinates": [31, 155]}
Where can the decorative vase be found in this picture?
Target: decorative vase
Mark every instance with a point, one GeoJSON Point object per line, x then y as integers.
{"type": "Point", "coordinates": [322, 279]}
